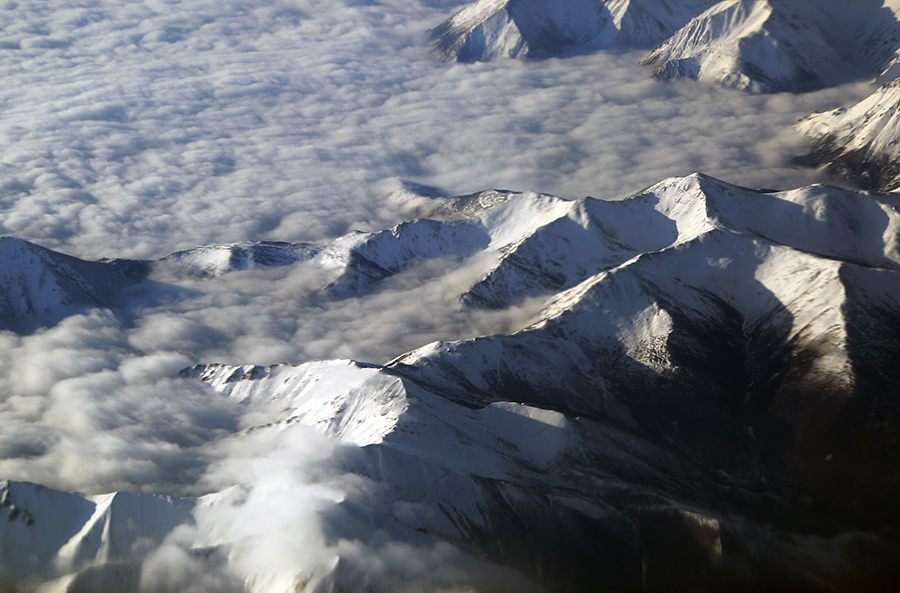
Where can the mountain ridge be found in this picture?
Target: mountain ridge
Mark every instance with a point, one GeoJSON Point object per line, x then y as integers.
{"type": "Point", "coordinates": [37, 284]}
{"type": "Point", "coordinates": [765, 46]}
{"type": "Point", "coordinates": [490, 29]}
{"type": "Point", "coordinates": [859, 142]}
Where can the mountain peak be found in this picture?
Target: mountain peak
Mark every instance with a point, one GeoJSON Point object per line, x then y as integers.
{"type": "Point", "coordinates": [769, 47]}
{"type": "Point", "coordinates": [490, 29]}
{"type": "Point", "coordinates": [861, 142]}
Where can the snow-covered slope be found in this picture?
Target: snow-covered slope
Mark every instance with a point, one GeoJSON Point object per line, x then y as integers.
{"type": "Point", "coordinates": [758, 347]}
{"type": "Point", "coordinates": [362, 259]}
{"type": "Point", "coordinates": [334, 396]}
{"type": "Point", "coordinates": [860, 142]}
{"type": "Point", "coordinates": [209, 261]}
{"type": "Point", "coordinates": [358, 261]}
{"type": "Point", "coordinates": [541, 28]}
{"type": "Point", "coordinates": [575, 500]}
{"type": "Point", "coordinates": [81, 541]}
{"type": "Point", "coordinates": [880, 40]}
{"type": "Point", "coordinates": [770, 46]}
{"type": "Point", "coordinates": [37, 283]}
{"type": "Point", "coordinates": [541, 244]}
{"type": "Point", "coordinates": [588, 236]}
{"type": "Point", "coordinates": [762, 46]}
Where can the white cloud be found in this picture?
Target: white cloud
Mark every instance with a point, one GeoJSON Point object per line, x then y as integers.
{"type": "Point", "coordinates": [81, 410]}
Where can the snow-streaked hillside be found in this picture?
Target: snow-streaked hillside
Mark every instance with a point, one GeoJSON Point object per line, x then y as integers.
{"type": "Point", "coordinates": [311, 367]}
{"type": "Point", "coordinates": [214, 260]}
{"type": "Point", "coordinates": [880, 40]}
{"type": "Point", "coordinates": [860, 142]}
{"type": "Point", "coordinates": [535, 245]}
{"type": "Point", "coordinates": [39, 284]}
{"type": "Point", "coordinates": [490, 29]}
{"type": "Point", "coordinates": [597, 235]}
{"type": "Point", "coordinates": [771, 46]}
{"type": "Point", "coordinates": [764, 46]}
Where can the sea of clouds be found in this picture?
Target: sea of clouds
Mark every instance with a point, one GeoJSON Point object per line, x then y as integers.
{"type": "Point", "coordinates": [136, 128]}
{"type": "Point", "coordinates": [131, 129]}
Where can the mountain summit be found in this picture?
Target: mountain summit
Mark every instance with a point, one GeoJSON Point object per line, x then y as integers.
{"type": "Point", "coordinates": [769, 46]}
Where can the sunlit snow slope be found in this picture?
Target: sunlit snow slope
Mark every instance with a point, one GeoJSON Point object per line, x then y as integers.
{"type": "Point", "coordinates": [38, 283]}
{"type": "Point", "coordinates": [860, 142]}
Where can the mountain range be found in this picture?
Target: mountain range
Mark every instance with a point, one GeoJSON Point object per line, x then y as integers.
{"type": "Point", "coordinates": [781, 46]}
{"type": "Point", "coordinates": [706, 401]}
{"type": "Point", "coordinates": [762, 46]}
{"type": "Point", "coordinates": [38, 285]}
{"type": "Point", "coordinates": [490, 29]}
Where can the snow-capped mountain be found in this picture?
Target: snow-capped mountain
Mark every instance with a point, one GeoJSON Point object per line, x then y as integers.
{"type": "Point", "coordinates": [771, 46]}
{"type": "Point", "coordinates": [362, 259]}
{"type": "Point", "coordinates": [746, 357]}
{"type": "Point", "coordinates": [708, 400]}
{"type": "Point", "coordinates": [209, 261]}
{"type": "Point", "coordinates": [577, 239]}
{"type": "Point", "coordinates": [37, 283]}
{"type": "Point", "coordinates": [763, 46]}
{"type": "Point", "coordinates": [79, 541]}
{"type": "Point", "coordinates": [490, 29]}
{"type": "Point", "coordinates": [539, 244]}
{"type": "Point", "coordinates": [359, 260]}
{"type": "Point", "coordinates": [758, 283]}
{"type": "Point", "coordinates": [538, 489]}
{"type": "Point", "coordinates": [860, 142]}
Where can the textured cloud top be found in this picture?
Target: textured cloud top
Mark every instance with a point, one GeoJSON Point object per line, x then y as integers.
{"type": "Point", "coordinates": [141, 128]}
